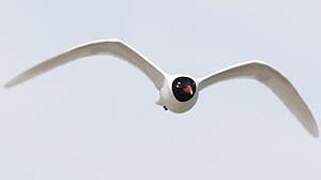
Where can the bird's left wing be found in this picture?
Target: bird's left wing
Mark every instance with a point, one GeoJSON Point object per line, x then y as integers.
{"type": "Point", "coordinates": [113, 47]}
{"type": "Point", "coordinates": [274, 80]}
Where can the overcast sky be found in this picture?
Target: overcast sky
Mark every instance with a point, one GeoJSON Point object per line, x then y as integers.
{"type": "Point", "coordinates": [96, 118]}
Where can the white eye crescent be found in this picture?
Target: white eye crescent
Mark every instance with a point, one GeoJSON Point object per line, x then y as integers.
{"type": "Point", "coordinates": [178, 85]}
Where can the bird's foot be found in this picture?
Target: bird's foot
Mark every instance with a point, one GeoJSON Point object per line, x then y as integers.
{"type": "Point", "coordinates": [165, 108]}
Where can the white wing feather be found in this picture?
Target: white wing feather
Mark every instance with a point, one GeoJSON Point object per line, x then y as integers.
{"type": "Point", "coordinates": [111, 47]}
{"type": "Point", "coordinates": [274, 80]}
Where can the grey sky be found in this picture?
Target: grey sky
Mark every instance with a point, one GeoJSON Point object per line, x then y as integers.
{"type": "Point", "coordinates": [80, 122]}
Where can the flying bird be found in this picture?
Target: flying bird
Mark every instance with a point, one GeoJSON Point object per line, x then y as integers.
{"type": "Point", "coordinates": [179, 92]}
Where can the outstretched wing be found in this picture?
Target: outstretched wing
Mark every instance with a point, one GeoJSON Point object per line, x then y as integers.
{"type": "Point", "coordinates": [274, 80]}
{"type": "Point", "coordinates": [111, 47]}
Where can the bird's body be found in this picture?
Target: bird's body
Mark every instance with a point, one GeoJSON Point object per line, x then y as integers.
{"type": "Point", "coordinates": [179, 93]}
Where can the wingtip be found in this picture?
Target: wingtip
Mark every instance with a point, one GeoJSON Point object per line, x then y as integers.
{"type": "Point", "coordinates": [313, 129]}
{"type": "Point", "coordinates": [315, 133]}
{"type": "Point", "coordinates": [13, 82]}
{"type": "Point", "coordinates": [9, 85]}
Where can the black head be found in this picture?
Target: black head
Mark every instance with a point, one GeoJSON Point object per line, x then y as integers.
{"type": "Point", "coordinates": [184, 88]}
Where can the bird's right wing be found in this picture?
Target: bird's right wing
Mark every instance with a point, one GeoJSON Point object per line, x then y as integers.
{"type": "Point", "coordinates": [272, 79]}
{"type": "Point", "coordinates": [111, 47]}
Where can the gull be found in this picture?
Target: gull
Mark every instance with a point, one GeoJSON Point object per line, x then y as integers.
{"type": "Point", "coordinates": [180, 92]}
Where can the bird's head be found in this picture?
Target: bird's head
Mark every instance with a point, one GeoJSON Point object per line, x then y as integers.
{"type": "Point", "coordinates": [179, 94]}
{"type": "Point", "coordinates": [183, 88]}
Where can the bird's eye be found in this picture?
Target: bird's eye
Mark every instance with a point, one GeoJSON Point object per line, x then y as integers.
{"type": "Point", "coordinates": [178, 85]}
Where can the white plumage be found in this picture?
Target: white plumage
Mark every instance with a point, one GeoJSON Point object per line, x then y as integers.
{"type": "Point", "coordinates": [179, 93]}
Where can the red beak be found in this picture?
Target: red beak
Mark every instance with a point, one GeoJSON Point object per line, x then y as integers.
{"type": "Point", "coordinates": [188, 89]}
